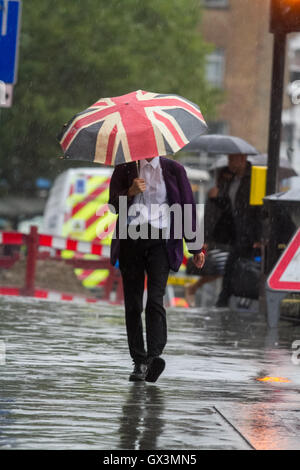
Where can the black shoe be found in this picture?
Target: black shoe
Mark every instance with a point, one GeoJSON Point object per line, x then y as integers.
{"type": "Point", "coordinates": [139, 373]}
{"type": "Point", "coordinates": [156, 367]}
{"type": "Point", "coordinates": [244, 303]}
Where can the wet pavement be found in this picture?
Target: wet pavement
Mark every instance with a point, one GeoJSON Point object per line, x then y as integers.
{"type": "Point", "coordinates": [64, 381]}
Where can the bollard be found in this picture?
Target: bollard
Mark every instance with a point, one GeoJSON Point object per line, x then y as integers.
{"type": "Point", "coordinates": [32, 251]}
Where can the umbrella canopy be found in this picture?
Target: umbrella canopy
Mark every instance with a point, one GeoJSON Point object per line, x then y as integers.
{"type": "Point", "coordinates": [291, 196]}
{"type": "Point", "coordinates": [131, 127]}
{"type": "Point", "coordinates": [285, 168]}
{"type": "Point", "coordinates": [223, 144]}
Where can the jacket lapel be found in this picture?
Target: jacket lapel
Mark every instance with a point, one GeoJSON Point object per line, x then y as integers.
{"type": "Point", "coordinates": [132, 172]}
{"type": "Point", "coordinates": [170, 181]}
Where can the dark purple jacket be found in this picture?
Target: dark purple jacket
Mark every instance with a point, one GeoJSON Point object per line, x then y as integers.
{"type": "Point", "coordinates": [178, 191]}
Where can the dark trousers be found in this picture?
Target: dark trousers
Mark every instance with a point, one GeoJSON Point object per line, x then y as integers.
{"type": "Point", "coordinates": [236, 252]}
{"type": "Point", "coordinates": [137, 258]}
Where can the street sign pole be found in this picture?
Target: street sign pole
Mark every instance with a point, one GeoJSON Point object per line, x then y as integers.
{"type": "Point", "coordinates": [284, 19]}
{"type": "Point", "coordinates": [276, 111]}
{"type": "Point", "coordinates": [275, 134]}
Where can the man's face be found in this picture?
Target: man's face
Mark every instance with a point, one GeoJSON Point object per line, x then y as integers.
{"type": "Point", "coordinates": [237, 162]}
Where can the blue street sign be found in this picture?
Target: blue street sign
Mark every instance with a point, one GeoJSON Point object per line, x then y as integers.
{"type": "Point", "coordinates": [10, 14]}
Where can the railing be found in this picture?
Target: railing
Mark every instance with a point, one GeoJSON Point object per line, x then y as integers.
{"type": "Point", "coordinates": [41, 246]}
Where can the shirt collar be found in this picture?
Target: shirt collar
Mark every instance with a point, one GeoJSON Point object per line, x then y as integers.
{"type": "Point", "coordinates": [154, 163]}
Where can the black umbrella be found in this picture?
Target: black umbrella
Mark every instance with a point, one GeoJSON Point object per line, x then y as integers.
{"type": "Point", "coordinates": [285, 168]}
{"type": "Point", "coordinates": [223, 144]}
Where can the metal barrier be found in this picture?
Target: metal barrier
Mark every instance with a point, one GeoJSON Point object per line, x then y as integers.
{"type": "Point", "coordinates": [51, 249]}
{"type": "Point", "coordinates": [43, 246]}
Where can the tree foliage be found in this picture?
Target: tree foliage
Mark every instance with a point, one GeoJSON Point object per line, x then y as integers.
{"type": "Point", "coordinates": [73, 52]}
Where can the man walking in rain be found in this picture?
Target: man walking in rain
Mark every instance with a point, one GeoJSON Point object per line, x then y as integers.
{"type": "Point", "coordinates": [239, 223]}
{"type": "Point", "coordinates": [146, 243]}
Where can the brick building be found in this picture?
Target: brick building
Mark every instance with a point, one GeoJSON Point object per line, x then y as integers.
{"type": "Point", "coordinates": [241, 65]}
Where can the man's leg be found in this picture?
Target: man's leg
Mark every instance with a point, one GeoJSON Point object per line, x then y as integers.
{"type": "Point", "coordinates": [157, 268]}
{"type": "Point", "coordinates": [133, 276]}
{"type": "Point", "coordinates": [191, 289]}
{"type": "Point", "coordinates": [225, 293]}
{"type": "Point", "coordinates": [236, 252]}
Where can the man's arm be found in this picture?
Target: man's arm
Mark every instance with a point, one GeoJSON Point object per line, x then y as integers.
{"type": "Point", "coordinates": [199, 259]}
{"type": "Point", "coordinates": [187, 197]}
{"type": "Point", "coordinates": [119, 187]}
{"type": "Point", "coordinates": [138, 186]}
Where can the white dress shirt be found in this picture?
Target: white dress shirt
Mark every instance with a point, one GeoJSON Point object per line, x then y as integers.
{"type": "Point", "coordinates": [153, 201]}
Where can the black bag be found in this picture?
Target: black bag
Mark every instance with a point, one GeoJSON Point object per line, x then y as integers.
{"type": "Point", "coordinates": [245, 278]}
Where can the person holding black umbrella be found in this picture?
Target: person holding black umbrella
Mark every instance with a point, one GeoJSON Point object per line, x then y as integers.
{"type": "Point", "coordinates": [239, 223]}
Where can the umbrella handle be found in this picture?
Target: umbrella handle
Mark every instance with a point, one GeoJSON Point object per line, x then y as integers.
{"type": "Point", "coordinates": [142, 199]}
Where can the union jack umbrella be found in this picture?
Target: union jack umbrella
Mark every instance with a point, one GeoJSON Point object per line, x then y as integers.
{"type": "Point", "coordinates": [131, 127]}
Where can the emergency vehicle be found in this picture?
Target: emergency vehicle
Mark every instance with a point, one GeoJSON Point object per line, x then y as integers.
{"type": "Point", "coordinates": [77, 208]}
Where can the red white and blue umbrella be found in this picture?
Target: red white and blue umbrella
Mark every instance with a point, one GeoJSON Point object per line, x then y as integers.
{"type": "Point", "coordinates": [132, 127]}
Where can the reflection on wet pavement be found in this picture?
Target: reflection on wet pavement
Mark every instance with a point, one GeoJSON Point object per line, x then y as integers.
{"type": "Point", "coordinates": [141, 421]}
{"type": "Point", "coordinates": [64, 381]}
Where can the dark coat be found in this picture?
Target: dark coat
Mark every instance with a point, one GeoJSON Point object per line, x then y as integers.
{"type": "Point", "coordinates": [240, 226]}
{"type": "Point", "coordinates": [178, 190]}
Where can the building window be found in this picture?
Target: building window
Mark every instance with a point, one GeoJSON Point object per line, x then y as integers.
{"type": "Point", "coordinates": [215, 67]}
{"type": "Point", "coordinates": [216, 3]}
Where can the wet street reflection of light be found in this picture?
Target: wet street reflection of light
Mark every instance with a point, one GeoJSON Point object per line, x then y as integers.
{"type": "Point", "coordinates": [260, 425]}
{"type": "Point", "coordinates": [273, 379]}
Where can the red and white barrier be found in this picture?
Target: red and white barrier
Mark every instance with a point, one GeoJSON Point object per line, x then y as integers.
{"type": "Point", "coordinates": [49, 295]}
{"type": "Point", "coordinates": [60, 243]}
{"type": "Point", "coordinates": [55, 245]}
{"type": "Point", "coordinates": [12, 238]}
